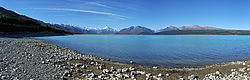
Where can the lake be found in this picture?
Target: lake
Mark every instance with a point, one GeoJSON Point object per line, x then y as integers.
{"type": "Point", "coordinates": [159, 50]}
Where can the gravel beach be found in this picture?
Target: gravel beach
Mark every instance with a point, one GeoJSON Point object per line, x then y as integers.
{"type": "Point", "coordinates": [30, 59]}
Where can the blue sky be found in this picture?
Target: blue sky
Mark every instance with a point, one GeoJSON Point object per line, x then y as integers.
{"type": "Point", "coordinates": [154, 14]}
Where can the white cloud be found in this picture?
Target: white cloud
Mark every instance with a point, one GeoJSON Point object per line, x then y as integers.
{"type": "Point", "coordinates": [98, 4]}
{"type": "Point", "coordinates": [85, 11]}
{"type": "Point", "coordinates": [91, 3]}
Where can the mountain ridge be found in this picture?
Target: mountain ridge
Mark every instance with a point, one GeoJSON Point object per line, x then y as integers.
{"type": "Point", "coordinates": [194, 27]}
{"type": "Point", "coordinates": [11, 22]}
{"type": "Point", "coordinates": [136, 30]}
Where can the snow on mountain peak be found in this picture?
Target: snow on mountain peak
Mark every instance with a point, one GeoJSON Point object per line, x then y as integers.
{"type": "Point", "coordinates": [106, 27]}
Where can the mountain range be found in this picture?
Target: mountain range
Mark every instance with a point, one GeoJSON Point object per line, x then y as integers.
{"type": "Point", "coordinates": [105, 30]}
{"type": "Point", "coordinates": [69, 28]}
{"type": "Point", "coordinates": [136, 30]}
{"type": "Point", "coordinates": [85, 30]}
{"type": "Point", "coordinates": [194, 27]}
{"type": "Point", "coordinates": [200, 30]}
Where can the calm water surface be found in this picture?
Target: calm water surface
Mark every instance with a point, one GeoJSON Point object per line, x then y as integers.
{"type": "Point", "coordinates": [162, 50]}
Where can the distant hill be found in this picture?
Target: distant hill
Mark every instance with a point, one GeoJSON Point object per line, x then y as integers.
{"type": "Point", "coordinates": [70, 28]}
{"type": "Point", "coordinates": [11, 22]}
{"type": "Point", "coordinates": [205, 32]}
{"type": "Point", "coordinates": [171, 28]}
{"type": "Point", "coordinates": [194, 27]}
{"type": "Point", "coordinates": [136, 30]}
{"type": "Point", "coordinates": [197, 27]}
{"type": "Point", "coordinates": [199, 30]}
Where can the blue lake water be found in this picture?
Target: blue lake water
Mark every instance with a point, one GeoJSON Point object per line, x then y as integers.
{"type": "Point", "coordinates": [159, 50]}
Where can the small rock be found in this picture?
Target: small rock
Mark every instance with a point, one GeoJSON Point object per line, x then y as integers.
{"type": "Point", "coordinates": [78, 70]}
{"type": "Point", "coordinates": [43, 62]}
{"type": "Point", "coordinates": [159, 78]}
{"type": "Point", "coordinates": [192, 77]}
{"type": "Point", "coordinates": [84, 75]}
{"type": "Point", "coordinates": [233, 69]}
{"type": "Point", "coordinates": [167, 75]}
{"type": "Point", "coordinates": [99, 67]}
{"type": "Point", "coordinates": [149, 75]}
{"type": "Point", "coordinates": [181, 79]}
{"type": "Point", "coordinates": [131, 69]}
{"type": "Point", "coordinates": [217, 72]}
{"type": "Point", "coordinates": [126, 76]}
{"type": "Point", "coordinates": [105, 71]}
{"type": "Point", "coordinates": [3, 77]}
{"type": "Point", "coordinates": [160, 75]}
{"type": "Point", "coordinates": [124, 70]}
{"type": "Point", "coordinates": [155, 77]}
{"type": "Point", "coordinates": [78, 65]}
{"type": "Point", "coordinates": [242, 69]}
{"type": "Point", "coordinates": [92, 63]}
{"type": "Point", "coordinates": [119, 70]}
{"type": "Point", "coordinates": [243, 63]}
{"type": "Point", "coordinates": [118, 75]}
{"type": "Point", "coordinates": [91, 75]}
{"type": "Point", "coordinates": [84, 67]}
{"type": "Point", "coordinates": [155, 67]}
{"type": "Point", "coordinates": [131, 62]}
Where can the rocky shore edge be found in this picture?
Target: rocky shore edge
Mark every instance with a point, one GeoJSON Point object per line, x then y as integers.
{"type": "Point", "coordinates": [30, 59]}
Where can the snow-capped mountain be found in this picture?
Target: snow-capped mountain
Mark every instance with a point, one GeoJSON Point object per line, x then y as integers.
{"type": "Point", "coordinates": [105, 30]}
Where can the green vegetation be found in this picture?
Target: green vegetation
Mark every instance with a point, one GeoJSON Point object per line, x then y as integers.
{"type": "Point", "coordinates": [17, 24]}
{"type": "Point", "coordinates": [205, 32]}
{"type": "Point", "coordinates": [11, 22]}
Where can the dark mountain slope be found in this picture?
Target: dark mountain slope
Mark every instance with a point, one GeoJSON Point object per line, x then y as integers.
{"type": "Point", "coordinates": [11, 22]}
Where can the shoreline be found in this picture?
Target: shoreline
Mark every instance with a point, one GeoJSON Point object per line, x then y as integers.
{"type": "Point", "coordinates": [71, 65]}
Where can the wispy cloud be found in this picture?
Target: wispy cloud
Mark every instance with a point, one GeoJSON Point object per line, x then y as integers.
{"type": "Point", "coordinates": [94, 3]}
{"type": "Point", "coordinates": [85, 11]}
{"type": "Point", "coordinates": [98, 4]}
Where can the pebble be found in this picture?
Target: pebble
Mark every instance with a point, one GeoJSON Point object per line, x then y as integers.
{"type": "Point", "coordinates": [131, 68]}
{"type": "Point", "coordinates": [242, 69]}
{"type": "Point", "coordinates": [91, 75]}
{"type": "Point", "coordinates": [84, 75]}
{"type": "Point", "coordinates": [181, 79]}
{"type": "Point", "coordinates": [78, 65]}
{"type": "Point", "coordinates": [155, 67]}
{"type": "Point", "coordinates": [243, 63]}
{"type": "Point", "coordinates": [160, 75]}
{"type": "Point", "coordinates": [148, 75]}
{"type": "Point", "coordinates": [192, 77]}
{"type": "Point", "coordinates": [167, 75]}
{"type": "Point", "coordinates": [131, 62]}
{"type": "Point", "coordinates": [217, 72]}
{"type": "Point", "coordinates": [92, 63]}
{"type": "Point", "coordinates": [124, 70]}
{"type": "Point", "coordinates": [3, 77]}
{"type": "Point", "coordinates": [84, 67]}
{"type": "Point", "coordinates": [105, 71]}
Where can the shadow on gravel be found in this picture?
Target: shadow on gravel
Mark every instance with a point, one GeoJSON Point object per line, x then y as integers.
{"type": "Point", "coordinates": [21, 35]}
